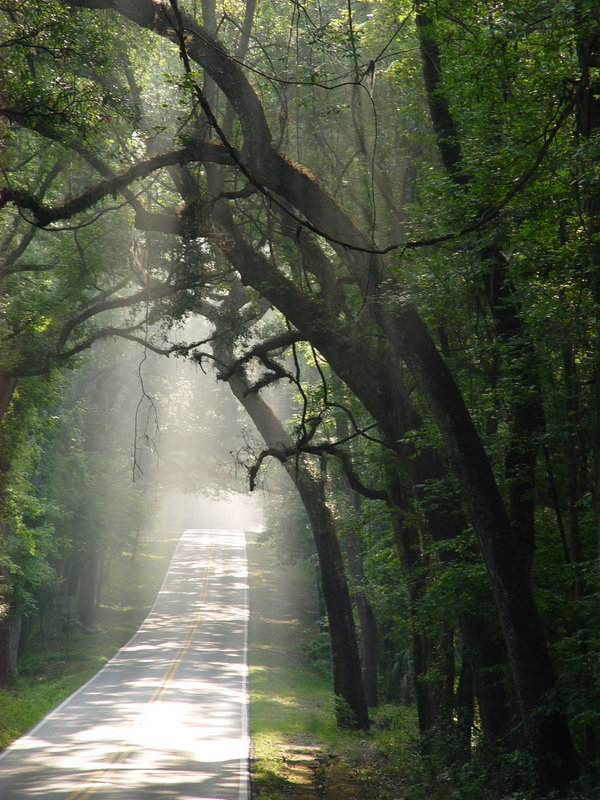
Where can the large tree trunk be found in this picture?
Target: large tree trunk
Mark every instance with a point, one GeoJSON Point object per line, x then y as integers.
{"type": "Point", "coordinates": [351, 706]}
{"type": "Point", "coordinates": [529, 659]}
{"type": "Point", "coordinates": [10, 632]}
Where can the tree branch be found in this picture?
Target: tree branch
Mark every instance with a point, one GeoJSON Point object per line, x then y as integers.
{"type": "Point", "coordinates": [45, 215]}
{"type": "Point", "coordinates": [261, 350]}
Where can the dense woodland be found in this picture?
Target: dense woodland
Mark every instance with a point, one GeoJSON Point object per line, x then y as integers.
{"type": "Point", "coordinates": [381, 220]}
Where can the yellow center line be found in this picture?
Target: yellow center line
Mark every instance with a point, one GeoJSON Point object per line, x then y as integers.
{"type": "Point", "coordinates": [101, 776]}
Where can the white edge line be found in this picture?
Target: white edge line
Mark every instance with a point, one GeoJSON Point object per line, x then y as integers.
{"type": "Point", "coordinates": [244, 760]}
{"type": "Point", "coordinates": [244, 766]}
{"type": "Point", "coordinates": [96, 675]}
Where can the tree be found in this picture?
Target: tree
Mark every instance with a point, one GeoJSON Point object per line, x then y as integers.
{"type": "Point", "coordinates": [351, 706]}
{"type": "Point", "coordinates": [26, 531]}
{"type": "Point", "coordinates": [343, 293]}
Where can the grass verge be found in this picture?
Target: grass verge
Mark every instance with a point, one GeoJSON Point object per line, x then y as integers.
{"type": "Point", "coordinates": [291, 707]}
{"type": "Point", "coordinates": [298, 752]}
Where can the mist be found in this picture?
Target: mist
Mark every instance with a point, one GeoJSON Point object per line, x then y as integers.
{"type": "Point", "coordinates": [235, 511]}
{"type": "Point", "coordinates": [187, 434]}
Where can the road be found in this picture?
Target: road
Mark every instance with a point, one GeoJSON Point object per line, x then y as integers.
{"type": "Point", "coordinates": [167, 717]}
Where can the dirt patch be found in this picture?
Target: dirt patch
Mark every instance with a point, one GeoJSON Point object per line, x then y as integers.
{"type": "Point", "coordinates": [340, 780]}
{"type": "Point", "coordinates": [302, 771]}
{"type": "Point", "coordinates": [310, 772]}
{"type": "Point", "coordinates": [319, 773]}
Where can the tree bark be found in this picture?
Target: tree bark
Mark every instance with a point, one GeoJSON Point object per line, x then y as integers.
{"type": "Point", "coordinates": [347, 677]}
{"type": "Point", "coordinates": [10, 631]}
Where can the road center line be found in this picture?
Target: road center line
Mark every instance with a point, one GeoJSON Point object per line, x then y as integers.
{"type": "Point", "coordinates": [101, 777]}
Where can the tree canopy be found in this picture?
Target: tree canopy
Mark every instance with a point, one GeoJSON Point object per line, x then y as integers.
{"type": "Point", "coordinates": [392, 208]}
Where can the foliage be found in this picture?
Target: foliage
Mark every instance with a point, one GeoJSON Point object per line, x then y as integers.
{"type": "Point", "coordinates": [29, 540]}
{"type": "Point", "coordinates": [485, 173]}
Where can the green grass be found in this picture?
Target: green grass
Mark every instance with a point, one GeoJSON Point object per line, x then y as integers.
{"type": "Point", "coordinates": [47, 676]}
{"type": "Point", "coordinates": [290, 703]}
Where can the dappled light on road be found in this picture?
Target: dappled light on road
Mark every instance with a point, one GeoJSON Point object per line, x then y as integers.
{"type": "Point", "coordinates": [167, 717]}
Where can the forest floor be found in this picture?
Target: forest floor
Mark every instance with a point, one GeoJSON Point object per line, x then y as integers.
{"type": "Point", "coordinates": [298, 752]}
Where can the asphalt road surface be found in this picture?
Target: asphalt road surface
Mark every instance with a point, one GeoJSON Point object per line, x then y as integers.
{"type": "Point", "coordinates": [167, 718]}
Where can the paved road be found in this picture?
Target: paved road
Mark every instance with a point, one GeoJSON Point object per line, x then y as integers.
{"type": "Point", "coordinates": [167, 718]}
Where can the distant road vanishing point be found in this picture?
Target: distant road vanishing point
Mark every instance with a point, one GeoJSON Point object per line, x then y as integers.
{"type": "Point", "coordinates": [167, 717]}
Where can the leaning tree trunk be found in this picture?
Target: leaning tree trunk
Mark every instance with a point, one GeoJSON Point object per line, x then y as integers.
{"type": "Point", "coordinates": [533, 674]}
{"type": "Point", "coordinates": [351, 706]}
{"type": "Point", "coordinates": [532, 671]}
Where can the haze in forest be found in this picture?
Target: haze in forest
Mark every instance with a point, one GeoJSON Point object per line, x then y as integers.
{"type": "Point", "coordinates": [375, 226]}
{"type": "Point", "coordinates": [186, 436]}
